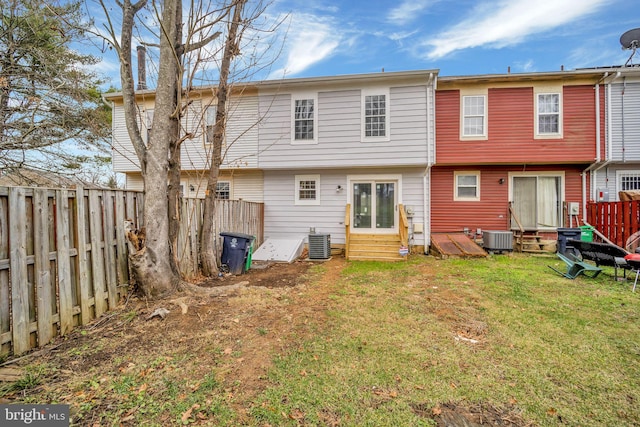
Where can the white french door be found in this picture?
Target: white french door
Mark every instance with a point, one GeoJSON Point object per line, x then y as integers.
{"type": "Point", "coordinates": [374, 206]}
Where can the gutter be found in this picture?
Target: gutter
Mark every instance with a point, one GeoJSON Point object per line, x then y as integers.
{"type": "Point", "coordinates": [426, 179]}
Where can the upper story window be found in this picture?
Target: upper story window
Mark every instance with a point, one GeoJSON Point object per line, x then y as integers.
{"type": "Point", "coordinates": [548, 115]}
{"type": "Point", "coordinates": [209, 123]}
{"type": "Point", "coordinates": [466, 186]}
{"type": "Point", "coordinates": [375, 115]}
{"type": "Point", "coordinates": [474, 117]}
{"type": "Point", "coordinates": [148, 122]}
{"type": "Point", "coordinates": [307, 190]}
{"type": "Point", "coordinates": [304, 129]}
{"type": "Point", "coordinates": [223, 190]}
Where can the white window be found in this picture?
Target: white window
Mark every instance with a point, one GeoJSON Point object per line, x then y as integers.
{"type": "Point", "coordinates": [209, 123]}
{"type": "Point", "coordinates": [474, 115]}
{"type": "Point", "coordinates": [628, 180]}
{"type": "Point", "coordinates": [548, 117]}
{"type": "Point", "coordinates": [148, 122]}
{"type": "Point", "coordinates": [307, 189]}
{"type": "Point", "coordinates": [223, 190]}
{"type": "Point", "coordinates": [305, 119]}
{"type": "Point", "coordinates": [375, 115]}
{"type": "Point", "coordinates": [466, 186]}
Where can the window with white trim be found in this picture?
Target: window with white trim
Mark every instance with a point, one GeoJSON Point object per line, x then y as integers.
{"type": "Point", "coordinates": [307, 190]}
{"type": "Point", "coordinates": [148, 122]}
{"type": "Point", "coordinates": [548, 118]}
{"type": "Point", "coordinates": [209, 123]}
{"type": "Point", "coordinates": [474, 115]}
{"type": "Point", "coordinates": [628, 180]}
{"type": "Point", "coordinates": [466, 186]}
{"type": "Point", "coordinates": [305, 119]}
{"type": "Point", "coordinates": [223, 190]}
{"type": "Point", "coordinates": [375, 115]}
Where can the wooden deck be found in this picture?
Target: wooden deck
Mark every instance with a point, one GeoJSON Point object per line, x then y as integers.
{"type": "Point", "coordinates": [455, 244]}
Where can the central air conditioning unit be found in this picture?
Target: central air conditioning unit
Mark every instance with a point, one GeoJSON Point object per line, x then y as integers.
{"type": "Point", "coordinates": [319, 246]}
{"type": "Point", "coordinates": [498, 241]}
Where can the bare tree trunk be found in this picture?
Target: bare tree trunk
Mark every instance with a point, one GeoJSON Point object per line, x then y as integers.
{"type": "Point", "coordinates": [154, 267]}
{"type": "Point", "coordinates": [207, 239]}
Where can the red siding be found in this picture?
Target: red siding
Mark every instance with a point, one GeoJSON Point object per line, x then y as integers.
{"type": "Point", "coordinates": [511, 129]}
{"type": "Point", "coordinates": [492, 211]}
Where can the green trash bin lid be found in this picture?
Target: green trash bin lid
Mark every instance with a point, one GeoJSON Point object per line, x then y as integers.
{"type": "Point", "coordinates": [586, 233]}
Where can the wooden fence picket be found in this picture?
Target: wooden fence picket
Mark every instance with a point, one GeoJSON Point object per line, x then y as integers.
{"type": "Point", "coordinates": [64, 255]}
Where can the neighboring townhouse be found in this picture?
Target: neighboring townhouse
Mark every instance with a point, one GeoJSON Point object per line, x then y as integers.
{"type": "Point", "coordinates": [618, 169]}
{"type": "Point", "coordinates": [513, 151]}
{"type": "Point", "coordinates": [344, 155]}
{"type": "Point", "coordinates": [239, 176]}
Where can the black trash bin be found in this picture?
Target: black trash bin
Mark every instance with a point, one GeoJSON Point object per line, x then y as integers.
{"type": "Point", "coordinates": [564, 234]}
{"type": "Point", "coordinates": [235, 249]}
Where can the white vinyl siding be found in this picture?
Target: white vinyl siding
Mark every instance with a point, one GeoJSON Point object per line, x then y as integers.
{"type": "Point", "coordinates": [340, 131]}
{"type": "Point", "coordinates": [624, 120]}
{"type": "Point", "coordinates": [240, 146]}
{"type": "Point", "coordinates": [124, 157]}
{"type": "Point", "coordinates": [283, 218]}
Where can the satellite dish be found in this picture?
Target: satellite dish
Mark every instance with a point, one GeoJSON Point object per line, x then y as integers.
{"type": "Point", "coordinates": [630, 39]}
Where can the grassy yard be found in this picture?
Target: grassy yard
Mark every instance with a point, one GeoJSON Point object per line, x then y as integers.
{"type": "Point", "coordinates": [405, 344]}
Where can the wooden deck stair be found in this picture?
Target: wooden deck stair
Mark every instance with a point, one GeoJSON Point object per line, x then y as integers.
{"type": "Point", "coordinates": [375, 247]}
{"type": "Point", "coordinates": [531, 242]}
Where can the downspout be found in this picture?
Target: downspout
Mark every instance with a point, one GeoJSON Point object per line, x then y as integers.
{"type": "Point", "coordinates": [426, 179]}
{"type": "Point", "coordinates": [624, 88]}
{"type": "Point", "coordinates": [599, 164]}
{"type": "Point", "coordinates": [598, 145]}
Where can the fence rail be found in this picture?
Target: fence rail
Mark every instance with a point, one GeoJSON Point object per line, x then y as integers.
{"type": "Point", "coordinates": [64, 259]}
{"type": "Point", "coordinates": [617, 221]}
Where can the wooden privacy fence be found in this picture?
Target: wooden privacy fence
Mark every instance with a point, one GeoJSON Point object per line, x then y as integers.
{"type": "Point", "coordinates": [235, 216]}
{"type": "Point", "coordinates": [63, 260]}
{"type": "Point", "coordinates": [64, 257]}
{"type": "Point", "coordinates": [617, 221]}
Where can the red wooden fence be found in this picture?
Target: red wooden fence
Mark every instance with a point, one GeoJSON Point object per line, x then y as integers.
{"type": "Point", "coordinates": [617, 221]}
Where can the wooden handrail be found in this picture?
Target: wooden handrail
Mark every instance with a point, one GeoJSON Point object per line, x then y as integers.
{"type": "Point", "coordinates": [347, 229]}
{"type": "Point", "coordinates": [403, 226]}
{"type": "Point", "coordinates": [515, 217]}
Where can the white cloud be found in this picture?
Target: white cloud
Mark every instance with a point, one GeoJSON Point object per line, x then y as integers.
{"type": "Point", "coordinates": [407, 11]}
{"type": "Point", "coordinates": [310, 39]}
{"type": "Point", "coordinates": [505, 23]}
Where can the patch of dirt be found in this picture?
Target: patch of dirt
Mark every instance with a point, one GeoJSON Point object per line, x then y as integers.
{"type": "Point", "coordinates": [237, 332]}
{"type": "Point", "coordinates": [464, 414]}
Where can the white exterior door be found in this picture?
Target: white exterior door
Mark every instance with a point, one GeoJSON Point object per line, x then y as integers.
{"type": "Point", "coordinates": [374, 206]}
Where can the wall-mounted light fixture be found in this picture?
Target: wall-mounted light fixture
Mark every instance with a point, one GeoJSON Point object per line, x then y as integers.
{"type": "Point", "coordinates": [501, 181]}
{"type": "Point", "coordinates": [338, 188]}
{"type": "Point", "coordinates": [192, 188]}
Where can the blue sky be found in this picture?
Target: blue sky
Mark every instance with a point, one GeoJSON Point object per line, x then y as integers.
{"type": "Point", "coordinates": [330, 37]}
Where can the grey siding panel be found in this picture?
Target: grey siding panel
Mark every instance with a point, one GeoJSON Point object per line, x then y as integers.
{"type": "Point", "coordinates": [608, 178]}
{"type": "Point", "coordinates": [241, 142]}
{"type": "Point", "coordinates": [285, 219]}
{"type": "Point", "coordinates": [339, 132]}
{"type": "Point", "coordinates": [625, 121]}
{"type": "Point", "coordinates": [124, 157]}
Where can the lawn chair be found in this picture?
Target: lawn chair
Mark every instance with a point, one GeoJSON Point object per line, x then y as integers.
{"type": "Point", "coordinates": [632, 262]}
{"type": "Point", "coordinates": [576, 267]}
